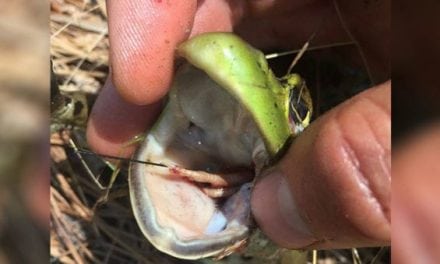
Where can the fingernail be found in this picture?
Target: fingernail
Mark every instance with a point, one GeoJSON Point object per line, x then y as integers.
{"type": "Point", "coordinates": [276, 213]}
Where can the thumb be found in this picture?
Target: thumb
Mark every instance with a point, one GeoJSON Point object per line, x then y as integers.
{"type": "Point", "coordinates": [143, 36]}
{"type": "Point", "coordinates": [332, 189]}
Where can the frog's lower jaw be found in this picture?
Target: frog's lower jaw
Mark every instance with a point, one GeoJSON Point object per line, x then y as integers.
{"type": "Point", "coordinates": [178, 217]}
{"type": "Point", "coordinates": [169, 203]}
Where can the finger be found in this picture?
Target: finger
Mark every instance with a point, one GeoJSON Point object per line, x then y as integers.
{"type": "Point", "coordinates": [332, 189]}
{"type": "Point", "coordinates": [143, 36]}
{"type": "Point", "coordinates": [113, 122]}
{"type": "Point", "coordinates": [224, 12]}
{"type": "Point", "coordinates": [107, 134]}
{"type": "Point", "coordinates": [416, 211]}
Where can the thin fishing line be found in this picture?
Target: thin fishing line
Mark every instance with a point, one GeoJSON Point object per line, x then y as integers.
{"type": "Point", "coordinates": [89, 152]}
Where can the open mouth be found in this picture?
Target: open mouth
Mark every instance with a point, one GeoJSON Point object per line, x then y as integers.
{"type": "Point", "coordinates": [198, 205]}
{"type": "Point", "coordinates": [227, 118]}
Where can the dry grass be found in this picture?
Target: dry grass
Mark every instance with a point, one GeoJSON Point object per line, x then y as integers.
{"type": "Point", "coordinates": [79, 44]}
{"type": "Point", "coordinates": [86, 227]}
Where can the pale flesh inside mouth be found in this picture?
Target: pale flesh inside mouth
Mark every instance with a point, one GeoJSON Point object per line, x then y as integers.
{"type": "Point", "coordinates": [200, 203]}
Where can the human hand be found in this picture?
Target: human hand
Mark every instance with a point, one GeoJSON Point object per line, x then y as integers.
{"type": "Point", "coordinates": [143, 37]}
{"type": "Point", "coordinates": [332, 189]}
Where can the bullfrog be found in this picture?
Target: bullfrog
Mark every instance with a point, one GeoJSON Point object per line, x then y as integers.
{"type": "Point", "coordinates": [227, 118]}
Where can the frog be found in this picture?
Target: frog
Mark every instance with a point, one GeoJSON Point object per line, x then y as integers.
{"type": "Point", "coordinates": [227, 119]}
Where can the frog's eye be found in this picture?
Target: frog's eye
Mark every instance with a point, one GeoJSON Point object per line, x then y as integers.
{"type": "Point", "coordinates": [300, 102]}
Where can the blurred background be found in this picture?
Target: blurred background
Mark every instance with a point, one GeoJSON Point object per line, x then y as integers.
{"type": "Point", "coordinates": [24, 108]}
{"type": "Point", "coordinates": [416, 132]}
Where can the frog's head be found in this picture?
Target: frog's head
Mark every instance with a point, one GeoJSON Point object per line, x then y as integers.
{"type": "Point", "coordinates": [244, 73]}
{"type": "Point", "coordinates": [227, 118]}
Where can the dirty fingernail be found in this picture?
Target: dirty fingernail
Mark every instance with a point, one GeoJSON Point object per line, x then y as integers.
{"type": "Point", "coordinates": [276, 213]}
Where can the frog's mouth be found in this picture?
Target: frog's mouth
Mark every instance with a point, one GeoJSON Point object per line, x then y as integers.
{"type": "Point", "coordinates": [198, 205]}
